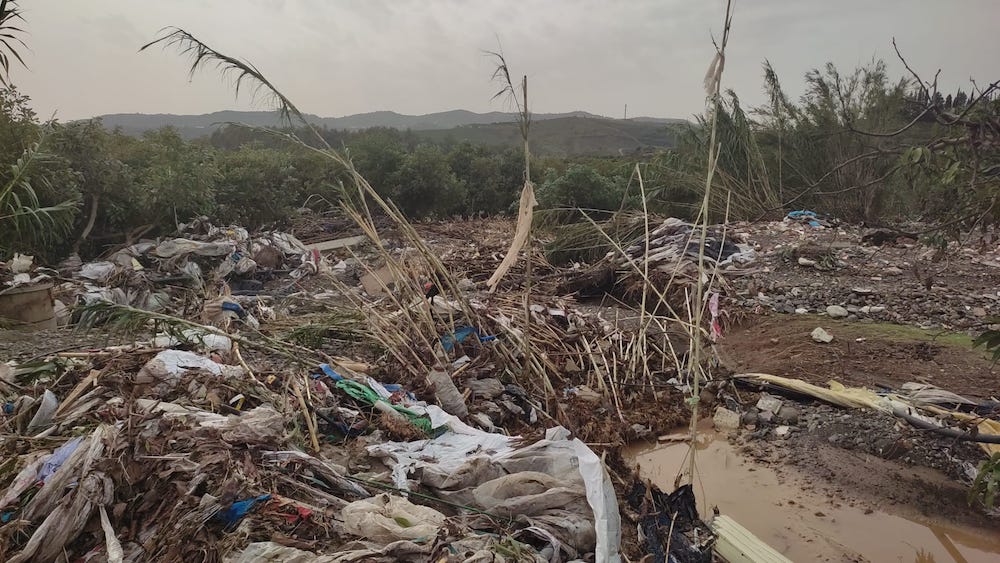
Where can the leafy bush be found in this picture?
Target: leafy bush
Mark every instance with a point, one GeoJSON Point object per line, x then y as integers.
{"type": "Point", "coordinates": [986, 486]}
{"type": "Point", "coordinates": [424, 186]}
{"type": "Point", "coordinates": [579, 187]}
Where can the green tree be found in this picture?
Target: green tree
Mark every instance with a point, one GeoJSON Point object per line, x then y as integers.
{"type": "Point", "coordinates": [173, 179]}
{"type": "Point", "coordinates": [424, 186]}
{"type": "Point", "coordinates": [492, 179]}
{"type": "Point", "coordinates": [104, 180]}
{"type": "Point", "coordinates": [378, 155]}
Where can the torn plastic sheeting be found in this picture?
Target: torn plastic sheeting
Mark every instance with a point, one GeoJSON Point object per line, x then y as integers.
{"type": "Point", "coordinates": [98, 271]}
{"type": "Point", "coordinates": [43, 416]}
{"type": "Point", "coordinates": [556, 456]}
{"type": "Point", "coordinates": [208, 340]}
{"type": "Point", "coordinates": [58, 458]}
{"type": "Point", "coordinates": [24, 480]}
{"type": "Point", "coordinates": [182, 246]}
{"type": "Point", "coordinates": [809, 217]}
{"type": "Point", "coordinates": [600, 492]}
{"type": "Point", "coordinates": [387, 518]}
{"type": "Point", "coordinates": [673, 531]}
{"type": "Point", "coordinates": [168, 366]}
{"type": "Point", "coordinates": [451, 449]}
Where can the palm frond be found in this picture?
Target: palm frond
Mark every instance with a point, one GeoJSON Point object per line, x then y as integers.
{"type": "Point", "coordinates": [201, 55]}
{"type": "Point", "coordinates": [21, 212]}
{"type": "Point", "coordinates": [9, 12]}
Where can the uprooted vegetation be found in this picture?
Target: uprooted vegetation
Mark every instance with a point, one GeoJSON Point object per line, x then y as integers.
{"type": "Point", "coordinates": [324, 379]}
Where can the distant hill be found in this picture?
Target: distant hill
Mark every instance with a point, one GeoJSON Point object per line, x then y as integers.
{"type": "Point", "coordinates": [566, 135]}
{"type": "Point", "coordinates": [575, 132]}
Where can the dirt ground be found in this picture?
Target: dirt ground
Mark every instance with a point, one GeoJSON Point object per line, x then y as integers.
{"type": "Point", "coordinates": [909, 320]}
{"type": "Point", "coordinates": [876, 355]}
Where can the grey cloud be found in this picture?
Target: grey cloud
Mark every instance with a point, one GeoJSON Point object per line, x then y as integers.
{"type": "Point", "coordinates": [418, 56]}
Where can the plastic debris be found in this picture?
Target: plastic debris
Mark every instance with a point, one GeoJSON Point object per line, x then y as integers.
{"type": "Point", "coordinates": [237, 510]}
{"type": "Point", "coordinates": [58, 458]}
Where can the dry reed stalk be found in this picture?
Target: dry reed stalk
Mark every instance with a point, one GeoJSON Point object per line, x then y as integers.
{"type": "Point", "coordinates": [310, 423]}
{"type": "Point", "coordinates": [713, 84]}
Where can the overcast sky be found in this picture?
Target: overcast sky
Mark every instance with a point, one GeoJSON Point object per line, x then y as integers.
{"type": "Point", "coordinates": [339, 57]}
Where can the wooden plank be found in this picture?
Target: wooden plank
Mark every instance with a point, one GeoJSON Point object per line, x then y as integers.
{"type": "Point", "coordinates": [336, 243]}
{"type": "Point", "coordinates": [736, 544]}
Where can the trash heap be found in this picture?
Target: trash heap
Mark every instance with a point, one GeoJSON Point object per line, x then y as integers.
{"type": "Point", "coordinates": [181, 453]}
{"type": "Point", "coordinates": [151, 274]}
{"type": "Point", "coordinates": [670, 258]}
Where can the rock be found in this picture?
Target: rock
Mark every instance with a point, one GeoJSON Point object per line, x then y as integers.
{"type": "Point", "coordinates": [865, 310]}
{"type": "Point", "coordinates": [725, 419]}
{"type": "Point", "coordinates": [979, 312]}
{"type": "Point", "coordinates": [782, 431]}
{"type": "Point", "coordinates": [749, 418]}
{"type": "Point", "coordinates": [788, 415]}
{"type": "Point", "coordinates": [465, 284]}
{"type": "Point", "coordinates": [769, 403]}
{"type": "Point", "coordinates": [892, 271]}
{"type": "Point", "coordinates": [863, 290]}
{"type": "Point", "coordinates": [801, 311]}
{"type": "Point", "coordinates": [836, 312]}
{"type": "Point", "coordinates": [875, 309]}
{"type": "Point", "coordinates": [786, 308]}
{"type": "Point", "coordinates": [853, 309]}
{"type": "Point", "coordinates": [803, 261]}
{"type": "Point", "coordinates": [765, 416]}
{"type": "Point", "coordinates": [822, 336]}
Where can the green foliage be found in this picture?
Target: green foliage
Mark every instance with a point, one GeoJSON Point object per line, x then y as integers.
{"type": "Point", "coordinates": [10, 13]}
{"type": "Point", "coordinates": [259, 187]}
{"type": "Point", "coordinates": [424, 186]}
{"type": "Point", "coordinates": [37, 190]}
{"type": "Point", "coordinates": [492, 180]}
{"type": "Point", "coordinates": [987, 483]}
{"type": "Point", "coordinates": [990, 341]}
{"type": "Point", "coordinates": [580, 187]}
{"type": "Point", "coordinates": [24, 220]}
{"type": "Point", "coordinates": [173, 180]}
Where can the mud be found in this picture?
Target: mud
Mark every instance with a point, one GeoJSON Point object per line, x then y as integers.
{"type": "Point", "coordinates": [863, 355]}
{"type": "Point", "coordinates": [784, 508]}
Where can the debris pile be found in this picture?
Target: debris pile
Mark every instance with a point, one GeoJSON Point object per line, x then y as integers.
{"type": "Point", "coordinates": [142, 453]}
{"type": "Point", "coordinates": [666, 261]}
{"type": "Point", "coordinates": [152, 275]}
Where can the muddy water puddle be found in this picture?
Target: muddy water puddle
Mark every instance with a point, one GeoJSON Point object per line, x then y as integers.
{"type": "Point", "coordinates": [802, 524]}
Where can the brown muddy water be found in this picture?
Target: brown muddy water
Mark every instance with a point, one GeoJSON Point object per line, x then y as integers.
{"type": "Point", "coordinates": [805, 525]}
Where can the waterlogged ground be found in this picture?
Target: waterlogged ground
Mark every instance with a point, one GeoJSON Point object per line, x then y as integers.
{"type": "Point", "coordinates": [799, 515]}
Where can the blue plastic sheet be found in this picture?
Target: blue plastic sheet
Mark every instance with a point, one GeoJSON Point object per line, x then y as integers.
{"type": "Point", "coordinates": [807, 216]}
{"type": "Point", "coordinates": [450, 340]}
{"type": "Point", "coordinates": [236, 511]}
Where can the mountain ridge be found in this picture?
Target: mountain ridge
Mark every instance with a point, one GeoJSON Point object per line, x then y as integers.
{"type": "Point", "coordinates": [196, 125]}
{"type": "Point", "coordinates": [575, 132]}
